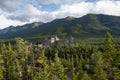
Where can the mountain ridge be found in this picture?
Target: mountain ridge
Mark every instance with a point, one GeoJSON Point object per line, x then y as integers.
{"type": "Point", "coordinates": [90, 25]}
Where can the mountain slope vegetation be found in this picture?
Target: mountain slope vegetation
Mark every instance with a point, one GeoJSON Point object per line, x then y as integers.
{"type": "Point", "coordinates": [90, 25]}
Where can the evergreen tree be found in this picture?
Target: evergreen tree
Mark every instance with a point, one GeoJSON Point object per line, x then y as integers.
{"type": "Point", "coordinates": [109, 49]}
{"type": "Point", "coordinates": [108, 44]}
{"type": "Point", "coordinates": [116, 72]}
{"type": "Point", "coordinates": [109, 54]}
{"type": "Point", "coordinates": [42, 69]}
{"type": "Point", "coordinates": [23, 53]}
{"type": "Point", "coordinates": [58, 72]}
{"type": "Point", "coordinates": [79, 73]}
{"type": "Point", "coordinates": [9, 71]}
{"type": "Point", "coordinates": [99, 73]}
{"type": "Point", "coordinates": [83, 76]}
{"type": "Point", "coordinates": [1, 64]}
{"type": "Point", "coordinates": [72, 76]}
{"type": "Point", "coordinates": [116, 67]}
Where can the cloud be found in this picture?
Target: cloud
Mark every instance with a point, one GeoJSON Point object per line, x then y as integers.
{"type": "Point", "coordinates": [48, 1]}
{"type": "Point", "coordinates": [70, 1]}
{"type": "Point", "coordinates": [76, 10]}
{"type": "Point", "coordinates": [14, 12]}
{"type": "Point", "coordinates": [59, 1]}
{"type": "Point", "coordinates": [30, 14]}
{"type": "Point", "coordinates": [8, 5]}
{"type": "Point", "coordinates": [109, 7]}
{"type": "Point", "coordinates": [4, 22]}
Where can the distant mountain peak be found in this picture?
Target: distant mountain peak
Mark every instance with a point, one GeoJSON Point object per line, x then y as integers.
{"type": "Point", "coordinates": [10, 27]}
{"type": "Point", "coordinates": [89, 25]}
{"type": "Point", "coordinates": [69, 18]}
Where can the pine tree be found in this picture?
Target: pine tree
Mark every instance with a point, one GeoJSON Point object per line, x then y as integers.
{"type": "Point", "coordinates": [43, 68]}
{"type": "Point", "coordinates": [1, 63]}
{"type": "Point", "coordinates": [83, 76]}
{"type": "Point", "coordinates": [109, 44]}
{"type": "Point", "coordinates": [72, 76]}
{"type": "Point", "coordinates": [116, 67]}
{"type": "Point", "coordinates": [99, 73]}
{"type": "Point", "coordinates": [109, 49]}
{"type": "Point", "coordinates": [23, 53]}
{"type": "Point", "coordinates": [79, 73]}
{"type": "Point", "coordinates": [57, 69]}
{"type": "Point", "coordinates": [9, 71]}
{"type": "Point", "coordinates": [5, 61]}
{"type": "Point", "coordinates": [116, 72]}
{"type": "Point", "coordinates": [109, 54]}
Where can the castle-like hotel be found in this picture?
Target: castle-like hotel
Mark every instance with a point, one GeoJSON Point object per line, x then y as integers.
{"type": "Point", "coordinates": [54, 40]}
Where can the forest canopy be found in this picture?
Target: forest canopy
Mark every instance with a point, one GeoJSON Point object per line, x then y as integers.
{"type": "Point", "coordinates": [21, 61]}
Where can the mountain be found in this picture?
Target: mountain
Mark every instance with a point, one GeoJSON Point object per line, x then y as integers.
{"type": "Point", "coordinates": [90, 25]}
{"type": "Point", "coordinates": [18, 31]}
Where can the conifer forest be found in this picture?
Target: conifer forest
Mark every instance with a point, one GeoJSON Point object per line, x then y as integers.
{"type": "Point", "coordinates": [21, 61]}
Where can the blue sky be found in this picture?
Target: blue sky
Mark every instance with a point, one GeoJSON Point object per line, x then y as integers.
{"type": "Point", "coordinates": [19, 12]}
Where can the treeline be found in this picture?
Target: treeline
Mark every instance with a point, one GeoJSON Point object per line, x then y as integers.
{"type": "Point", "coordinates": [79, 62]}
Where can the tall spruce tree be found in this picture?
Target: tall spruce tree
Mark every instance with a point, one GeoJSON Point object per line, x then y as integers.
{"type": "Point", "coordinates": [109, 48]}
{"type": "Point", "coordinates": [9, 71]}
{"type": "Point", "coordinates": [109, 54]}
{"type": "Point", "coordinates": [1, 62]}
{"type": "Point", "coordinates": [42, 69]}
{"type": "Point", "coordinates": [80, 71]}
{"type": "Point", "coordinates": [116, 67]}
{"type": "Point", "coordinates": [23, 54]}
{"type": "Point", "coordinates": [57, 69]}
{"type": "Point", "coordinates": [83, 76]}
{"type": "Point", "coordinates": [99, 73]}
{"type": "Point", "coordinates": [72, 68]}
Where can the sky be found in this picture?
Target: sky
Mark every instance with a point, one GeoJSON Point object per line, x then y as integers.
{"type": "Point", "coordinates": [19, 12]}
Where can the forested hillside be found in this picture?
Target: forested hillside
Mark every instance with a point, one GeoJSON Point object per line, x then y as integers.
{"type": "Point", "coordinates": [21, 61]}
{"type": "Point", "coordinates": [90, 25]}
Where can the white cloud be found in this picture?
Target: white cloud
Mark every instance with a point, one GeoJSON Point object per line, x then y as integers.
{"type": "Point", "coordinates": [70, 1]}
{"type": "Point", "coordinates": [4, 22]}
{"type": "Point", "coordinates": [79, 9]}
{"type": "Point", "coordinates": [48, 1]}
{"type": "Point", "coordinates": [107, 7]}
{"type": "Point", "coordinates": [9, 15]}
{"type": "Point", "coordinates": [76, 10]}
{"type": "Point", "coordinates": [8, 5]}
{"type": "Point", "coordinates": [59, 1]}
{"type": "Point", "coordinates": [30, 14]}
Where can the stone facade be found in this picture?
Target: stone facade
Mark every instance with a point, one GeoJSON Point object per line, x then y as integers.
{"type": "Point", "coordinates": [53, 41]}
